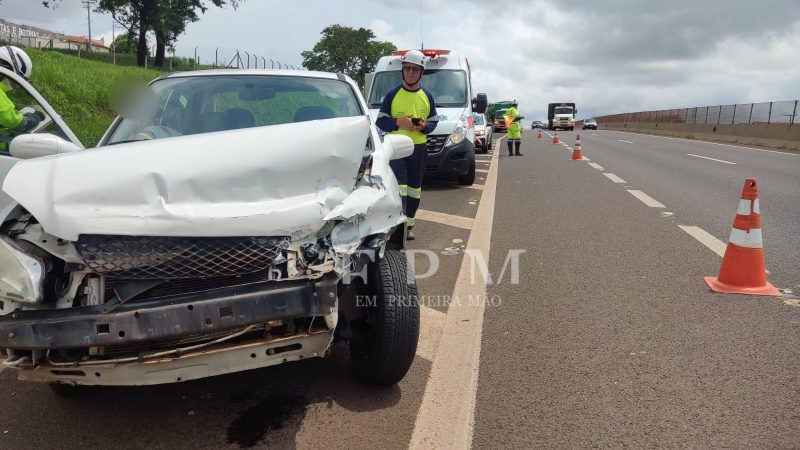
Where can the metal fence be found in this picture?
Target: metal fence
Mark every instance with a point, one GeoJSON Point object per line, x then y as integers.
{"type": "Point", "coordinates": [748, 113]}
{"type": "Point", "coordinates": [203, 58]}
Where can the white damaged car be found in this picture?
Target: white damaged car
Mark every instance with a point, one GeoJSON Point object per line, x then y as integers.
{"type": "Point", "coordinates": [228, 220]}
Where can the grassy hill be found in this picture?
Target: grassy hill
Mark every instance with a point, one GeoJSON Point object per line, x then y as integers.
{"type": "Point", "coordinates": [80, 90]}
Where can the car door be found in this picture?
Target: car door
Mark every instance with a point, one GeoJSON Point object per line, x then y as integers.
{"type": "Point", "coordinates": [24, 97]}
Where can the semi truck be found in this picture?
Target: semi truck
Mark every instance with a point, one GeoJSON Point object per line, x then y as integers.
{"type": "Point", "coordinates": [561, 115]}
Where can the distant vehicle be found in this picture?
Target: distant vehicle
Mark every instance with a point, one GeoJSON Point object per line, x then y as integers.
{"type": "Point", "coordinates": [536, 124]}
{"type": "Point", "coordinates": [590, 123]}
{"type": "Point", "coordinates": [483, 134]}
{"type": "Point", "coordinates": [561, 115]}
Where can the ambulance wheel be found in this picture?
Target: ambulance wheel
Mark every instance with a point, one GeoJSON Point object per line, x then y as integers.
{"type": "Point", "coordinates": [469, 178]}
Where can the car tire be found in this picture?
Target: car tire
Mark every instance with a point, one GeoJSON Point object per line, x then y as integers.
{"type": "Point", "coordinates": [469, 178]}
{"type": "Point", "coordinates": [388, 345]}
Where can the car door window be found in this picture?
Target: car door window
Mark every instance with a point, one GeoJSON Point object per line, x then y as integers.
{"type": "Point", "coordinates": [24, 102]}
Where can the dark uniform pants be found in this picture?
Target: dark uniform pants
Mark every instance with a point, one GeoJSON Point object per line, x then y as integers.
{"type": "Point", "coordinates": [515, 143]}
{"type": "Point", "coordinates": [409, 172]}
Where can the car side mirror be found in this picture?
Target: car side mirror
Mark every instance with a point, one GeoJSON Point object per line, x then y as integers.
{"type": "Point", "coordinates": [480, 103]}
{"type": "Point", "coordinates": [27, 146]}
{"type": "Point", "coordinates": [398, 146]}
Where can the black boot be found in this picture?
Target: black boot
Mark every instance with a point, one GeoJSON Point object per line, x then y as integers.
{"type": "Point", "coordinates": [516, 147]}
{"type": "Point", "coordinates": [510, 151]}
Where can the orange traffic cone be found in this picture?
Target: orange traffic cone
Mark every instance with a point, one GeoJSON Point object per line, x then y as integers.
{"type": "Point", "coordinates": [540, 134]}
{"type": "Point", "coordinates": [743, 269]}
{"type": "Point", "coordinates": [555, 139]}
{"type": "Point", "coordinates": [577, 151]}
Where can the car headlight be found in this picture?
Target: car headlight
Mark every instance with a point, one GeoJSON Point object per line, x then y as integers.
{"type": "Point", "coordinates": [457, 136]}
{"type": "Point", "coordinates": [22, 275]}
{"type": "Point", "coordinates": [479, 133]}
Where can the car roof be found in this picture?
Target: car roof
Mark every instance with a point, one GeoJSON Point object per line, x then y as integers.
{"type": "Point", "coordinates": [255, 72]}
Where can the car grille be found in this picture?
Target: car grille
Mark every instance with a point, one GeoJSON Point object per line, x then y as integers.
{"type": "Point", "coordinates": [435, 143]}
{"type": "Point", "coordinates": [187, 286]}
{"type": "Point", "coordinates": [166, 258]}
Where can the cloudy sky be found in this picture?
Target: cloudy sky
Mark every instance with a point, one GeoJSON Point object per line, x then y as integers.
{"type": "Point", "coordinates": [607, 56]}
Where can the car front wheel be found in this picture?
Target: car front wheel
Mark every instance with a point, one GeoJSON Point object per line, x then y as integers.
{"type": "Point", "coordinates": [389, 330]}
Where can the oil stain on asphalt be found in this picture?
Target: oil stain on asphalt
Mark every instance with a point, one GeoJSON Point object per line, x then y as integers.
{"type": "Point", "coordinates": [270, 413]}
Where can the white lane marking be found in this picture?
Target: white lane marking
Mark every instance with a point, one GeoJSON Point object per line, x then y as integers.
{"type": "Point", "coordinates": [594, 134]}
{"type": "Point", "coordinates": [615, 178]}
{"type": "Point", "coordinates": [585, 159]}
{"type": "Point", "coordinates": [431, 324]}
{"type": "Point", "coordinates": [629, 142]}
{"type": "Point", "coordinates": [596, 166]}
{"type": "Point", "coordinates": [481, 171]}
{"type": "Point", "coordinates": [646, 199]}
{"type": "Point", "coordinates": [446, 416]}
{"type": "Point", "coordinates": [445, 219]}
{"type": "Point", "coordinates": [712, 243]}
{"type": "Point", "coordinates": [705, 238]}
{"type": "Point", "coordinates": [711, 143]}
{"type": "Point", "coordinates": [712, 159]}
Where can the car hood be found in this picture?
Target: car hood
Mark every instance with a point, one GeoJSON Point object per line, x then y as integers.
{"type": "Point", "coordinates": [277, 180]}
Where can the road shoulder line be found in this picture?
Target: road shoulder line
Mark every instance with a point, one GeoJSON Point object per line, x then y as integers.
{"type": "Point", "coordinates": [447, 413]}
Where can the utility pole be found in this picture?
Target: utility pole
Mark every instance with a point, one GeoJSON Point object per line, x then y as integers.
{"type": "Point", "coordinates": [113, 42]}
{"type": "Point", "coordinates": [89, 4]}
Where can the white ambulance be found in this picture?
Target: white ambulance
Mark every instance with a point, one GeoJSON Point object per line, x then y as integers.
{"type": "Point", "coordinates": [451, 150]}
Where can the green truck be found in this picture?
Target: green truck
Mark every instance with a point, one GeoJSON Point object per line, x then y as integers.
{"type": "Point", "coordinates": [496, 115]}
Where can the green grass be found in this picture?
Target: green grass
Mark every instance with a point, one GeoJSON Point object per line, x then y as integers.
{"type": "Point", "coordinates": [80, 90]}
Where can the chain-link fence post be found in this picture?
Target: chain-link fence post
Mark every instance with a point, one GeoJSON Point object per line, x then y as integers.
{"type": "Point", "coordinates": [750, 118]}
{"type": "Point", "coordinates": [733, 119]}
{"type": "Point", "coordinates": [769, 116]}
{"type": "Point", "coordinates": [794, 113]}
{"type": "Point", "coordinates": [707, 108]}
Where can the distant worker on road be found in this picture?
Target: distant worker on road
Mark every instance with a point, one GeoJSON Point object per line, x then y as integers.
{"type": "Point", "coordinates": [514, 133]}
{"type": "Point", "coordinates": [410, 109]}
{"type": "Point", "coordinates": [11, 120]}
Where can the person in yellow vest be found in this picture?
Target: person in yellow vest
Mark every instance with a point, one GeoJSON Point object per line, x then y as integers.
{"type": "Point", "coordinates": [410, 109]}
{"type": "Point", "coordinates": [11, 120]}
{"type": "Point", "coordinates": [514, 133]}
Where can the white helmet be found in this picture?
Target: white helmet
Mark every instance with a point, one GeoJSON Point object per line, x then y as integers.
{"type": "Point", "coordinates": [414, 57]}
{"type": "Point", "coordinates": [17, 60]}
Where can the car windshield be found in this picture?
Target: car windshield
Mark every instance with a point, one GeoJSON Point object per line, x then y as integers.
{"type": "Point", "coordinates": [563, 110]}
{"type": "Point", "coordinates": [448, 87]}
{"type": "Point", "coordinates": [479, 120]}
{"type": "Point", "coordinates": [202, 104]}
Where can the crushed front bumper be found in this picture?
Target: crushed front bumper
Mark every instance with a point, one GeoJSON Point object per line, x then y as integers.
{"type": "Point", "coordinates": [150, 320]}
{"type": "Point", "coordinates": [232, 312]}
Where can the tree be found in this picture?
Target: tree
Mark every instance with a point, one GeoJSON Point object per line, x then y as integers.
{"type": "Point", "coordinates": [166, 18]}
{"type": "Point", "coordinates": [125, 43]}
{"type": "Point", "coordinates": [353, 52]}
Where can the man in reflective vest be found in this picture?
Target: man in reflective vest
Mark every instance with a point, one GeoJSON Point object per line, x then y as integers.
{"type": "Point", "coordinates": [514, 133]}
{"type": "Point", "coordinates": [410, 109]}
{"type": "Point", "coordinates": [11, 120]}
